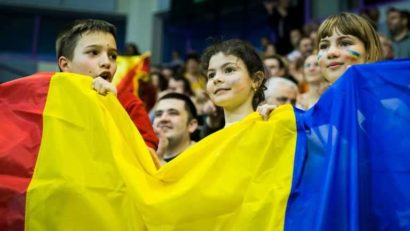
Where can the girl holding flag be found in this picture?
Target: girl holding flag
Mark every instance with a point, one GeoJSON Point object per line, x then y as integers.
{"type": "Point", "coordinates": [343, 40]}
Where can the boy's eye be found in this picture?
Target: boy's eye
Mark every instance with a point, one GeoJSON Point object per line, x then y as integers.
{"type": "Point", "coordinates": [93, 52]}
{"type": "Point", "coordinates": [113, 56]}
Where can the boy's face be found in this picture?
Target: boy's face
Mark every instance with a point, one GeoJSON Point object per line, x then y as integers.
{"type": "Point", "coordinates": [95, 55]}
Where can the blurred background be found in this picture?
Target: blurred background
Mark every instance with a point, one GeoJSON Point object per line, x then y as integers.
{"type": "Point", "coordinates": [169, 29]}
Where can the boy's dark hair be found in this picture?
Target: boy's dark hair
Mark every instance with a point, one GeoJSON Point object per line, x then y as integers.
{"type": "Point", "coordinates": [67, 39]}
{"type": "Point", "coordinates": [189, 105]}
{"type": "Point", "coordinates": [247, 54]}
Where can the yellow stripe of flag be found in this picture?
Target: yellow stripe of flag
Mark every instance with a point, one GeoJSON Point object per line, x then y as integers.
{"type": "Point", "coordinates": [95, 173]}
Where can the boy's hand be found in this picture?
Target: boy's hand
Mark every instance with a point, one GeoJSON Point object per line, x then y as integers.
{"type": "Point", "coordinates": [102, 86]}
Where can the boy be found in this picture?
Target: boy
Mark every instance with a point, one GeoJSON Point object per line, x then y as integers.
{"type": "Point", "coordinates": [88, 47]}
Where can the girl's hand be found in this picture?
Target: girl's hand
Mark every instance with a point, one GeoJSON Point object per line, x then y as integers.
{"type": "Point", "coordinates": [103, 87]}
{"type": "Point", "coordinates": [265, 110]}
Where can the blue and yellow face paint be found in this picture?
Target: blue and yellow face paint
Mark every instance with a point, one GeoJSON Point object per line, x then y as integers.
{"type": "Point", "coordinates": [353, 54]}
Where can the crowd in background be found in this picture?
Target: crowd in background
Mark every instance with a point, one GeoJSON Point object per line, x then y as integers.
{"type": "Point", "coordinates": [290, 61]}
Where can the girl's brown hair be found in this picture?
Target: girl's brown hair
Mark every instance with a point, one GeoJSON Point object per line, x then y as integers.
{"type": "Point", "coordinates": [352, 24]}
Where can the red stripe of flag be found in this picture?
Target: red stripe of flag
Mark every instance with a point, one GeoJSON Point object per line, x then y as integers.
{"type": "Point", "coordinates": [22, 103]}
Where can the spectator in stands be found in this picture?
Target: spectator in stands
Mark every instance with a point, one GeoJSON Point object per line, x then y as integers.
{"type": "Point", "coordinates": [280, 91]}
{"type": "Point", "coordinates": [180, 85]}
{"type": "Point", "coordinates": [174, 121]}
{"type": "Point", "coordinates": [398, 25]}
{"type": "Point", "coordinates": [276, 66]}
{"type": "Point", "coordinates": [387, 46]}
{"type": "Point", "coordinates": [158, 80]}
{"type": "Point", "coordinates": [316, 83]}
{"type": "Point", "coordinates": [283, 17]}
{"type": "Point", "coordinates": [131, 49]}
{"type": "Point", "coordinates": [303, 50]}
{"type": "Point", "coordinates": [193, 74]}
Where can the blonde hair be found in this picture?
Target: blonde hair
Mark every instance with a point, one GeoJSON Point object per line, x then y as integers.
{"type": "Point", "coordinates": [352, 24]}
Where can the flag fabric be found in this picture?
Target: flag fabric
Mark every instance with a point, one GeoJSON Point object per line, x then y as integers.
{"type": "Point", "coordinates": [130, 69]}
{"type": "Point", "coordinates": [355, 173]}
{"type": "Point", "coordinates": [342, 165]}
{"type": "Point", "coordinates": [21, 106]}
{"type": "Point", "coordinates": [93, 170]}
{"type": "Point", "coordinates": [58, 168]}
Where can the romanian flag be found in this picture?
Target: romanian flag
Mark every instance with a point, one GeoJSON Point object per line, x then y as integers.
{"type": "Point", "coordinates": [130, 69]}
{"type": "Point", "coordinates": [72, 160]}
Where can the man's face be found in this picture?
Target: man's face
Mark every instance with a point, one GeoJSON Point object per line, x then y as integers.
{"type": "Point", "coordinates": [394, 22]}
{"type": "Point", "coordinates": [282, 94]}
{"type": "Point", "coordinates": [171, 118]}
{"type": "Point", "coordinates": [94, 55]}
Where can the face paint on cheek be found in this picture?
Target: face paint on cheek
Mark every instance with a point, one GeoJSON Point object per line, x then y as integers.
{"type": "Point", "coordinates": [320, 59]}
{"type": "Point", "coordinates": [319, 56]}
{"type": "Point", "coordinates": [353, 55]}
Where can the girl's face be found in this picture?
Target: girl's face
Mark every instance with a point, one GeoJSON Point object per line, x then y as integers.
{"type": "Point", "coordinates": [229, 84]}
{"type": "Point", "coordinates": [311, 69]}
{"type": "Point", "coordinates": [338, 52]}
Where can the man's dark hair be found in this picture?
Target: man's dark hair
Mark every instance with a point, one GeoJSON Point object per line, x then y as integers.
{"type": "Point", "coordinates": [189, 105]}
{"type": "Point", "coordinates": [67, 39]}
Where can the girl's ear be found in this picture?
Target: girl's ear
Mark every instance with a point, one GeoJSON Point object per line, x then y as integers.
{"type": "Point", "coordinates": [257, 80]}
